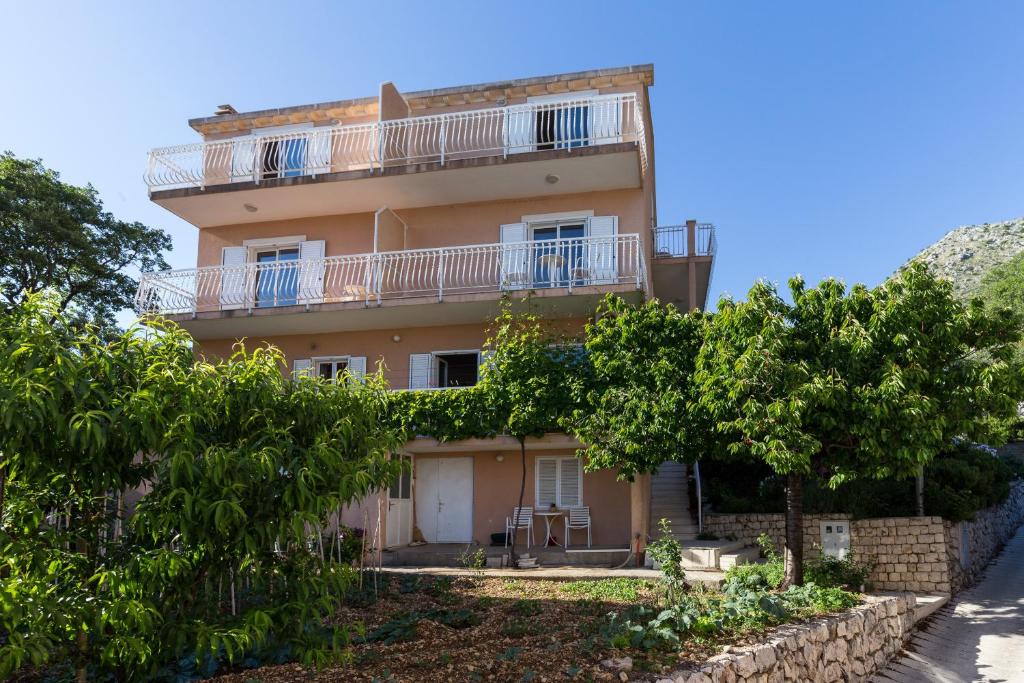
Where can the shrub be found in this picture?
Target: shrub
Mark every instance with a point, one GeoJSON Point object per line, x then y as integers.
{"type": "Point", "coordinates": [667, 552]}
{"type": "Point", "coordinates": [738, 609]}
{"type": "Point", "coordinates": [351, 544]}
{"type": "Point", "coordinates": [767, 574]}
{"type": "Point", "coordinates": [832, 572]}
{"type": "Point", "coordinates": [965, 480]}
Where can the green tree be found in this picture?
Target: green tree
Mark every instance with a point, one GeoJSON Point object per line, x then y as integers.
{"type": "Point", "coordinates": [860, 383]}
{"type": "Point", "coordinates": [238, 468]}
{"type": "Point", "coordinates": [637, 408]}
{"type": "Point", "coordinates": [525, 383]}
{"type": "Point", "coordinates": [58, 236]}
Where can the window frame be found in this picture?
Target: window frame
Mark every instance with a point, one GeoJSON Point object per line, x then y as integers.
{"type": "Point", "coordinates": [317, 360]}
{"type": "Point", "coordinates": [435, 370]}
{"type": "Point", "coordinates": [559, 503]}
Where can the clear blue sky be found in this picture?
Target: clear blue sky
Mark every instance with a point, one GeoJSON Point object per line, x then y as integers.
{"type": "Point", "coordinates": [823, 138]}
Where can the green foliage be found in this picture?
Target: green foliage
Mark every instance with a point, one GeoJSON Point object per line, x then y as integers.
{"type": "Point", "coordinates": [403, 627]}
{"type": "Point", "coordinates": [619, 589]}
{"type": "Point", "coordinates": [351, 541]}
{"type": "Point", "coordinates": [964, 480]}
{"type": "Point", "coordinates": [56, 235]}
{"type": "Point", "coordinates": [831, 572]}
{"type": "Point", "coordinates": [767, 574]}
{"type": "Point", "coordinates": [634, 411]}
{"type": "Point", "coordinates": [219, 559]}
{"type": "Point", "coordinates": [738, 609]}
{"type": "Point", "coordinates": [473, 559]}
{"type": "Point", "coordinates": [758, 574]}
{"type": "Point", "coordinates": [958, 482]}
{"type": "Point", "coordinates": [668, 553]}
{"type": "Point", "coordinates": [861, 383]}
{"type": "Point", "coordinates": [869, 382]}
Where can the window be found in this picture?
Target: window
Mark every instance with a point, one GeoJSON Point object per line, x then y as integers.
{"type": "Point", "coordinates": [563, 127]}
{"type": "Point", "coordinates": [559, 481]}
{"type": "Point", "coordinates": [277, 277]}
{"type": "Point", "coordinates": [331, 369]}
{"type": "Point", "coordinates": [283, 158]}
{"type": "Point", "coordinates": [558, 253]}
{"type": "Point", "coordinates": [459, 369]}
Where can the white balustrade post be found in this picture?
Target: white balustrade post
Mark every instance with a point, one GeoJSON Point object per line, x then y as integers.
{"type": "Point", "coordinates": [440, 276]}
{"type": "Point", "coordinates": [444, 134]}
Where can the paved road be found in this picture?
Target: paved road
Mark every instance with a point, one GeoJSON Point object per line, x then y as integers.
{"type": "Point", "coordinates": [979, 637]}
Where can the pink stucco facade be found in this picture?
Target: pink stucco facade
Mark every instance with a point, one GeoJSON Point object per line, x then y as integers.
{"type": "Point", "coordinates": [400, 206]}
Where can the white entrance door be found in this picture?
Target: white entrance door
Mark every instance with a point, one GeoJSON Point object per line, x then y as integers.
{"type": "Point", "coordinates": [399, 523]}
{"type": "Point", "coordinates": [444, 499]}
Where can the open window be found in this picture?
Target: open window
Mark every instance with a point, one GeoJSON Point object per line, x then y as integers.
{"type": "Point", "coordinates": [331, 368]}
{"type": "Point", "coordinates": [444, 369]}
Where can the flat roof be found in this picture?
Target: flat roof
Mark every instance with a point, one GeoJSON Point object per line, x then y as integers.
{"type": "Point", "coordinates": [367, 105]}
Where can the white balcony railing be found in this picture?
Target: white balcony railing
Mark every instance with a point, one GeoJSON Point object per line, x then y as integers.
{"type": "Point", "coordinates": [500, 131]}
{"type": "Point", "coordinates": [372, 278]}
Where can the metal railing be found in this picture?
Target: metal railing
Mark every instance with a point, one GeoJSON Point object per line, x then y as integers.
{"type": "Point", "coordinates": [373, 278]}
{"type": "Point", "coordinates": [500, 131]}
{"type": "Point", "coordinates": [673, 240]}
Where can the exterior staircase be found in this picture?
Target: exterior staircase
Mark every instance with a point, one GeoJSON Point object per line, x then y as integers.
{"type": "Point", "coordinates": [670, 499]}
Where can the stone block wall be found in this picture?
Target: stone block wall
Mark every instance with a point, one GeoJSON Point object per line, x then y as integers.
{"type": "Point", "coordinates": [909, 553]}
{"type": "Point", "coordinates": [984, 536]}
{"type": "Point", "coordinates": [747, 527]}
{"type": "Point", "coordinates": [846, 647]}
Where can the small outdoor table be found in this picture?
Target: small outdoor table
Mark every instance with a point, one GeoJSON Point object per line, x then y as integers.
{"type": "Point", "coordinates": [549, 516]}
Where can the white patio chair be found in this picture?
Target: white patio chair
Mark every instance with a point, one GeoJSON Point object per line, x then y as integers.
{"type": "Point", "coordinates": [525, 516]}
{"type": "Point", "coordinates": [578, 518]}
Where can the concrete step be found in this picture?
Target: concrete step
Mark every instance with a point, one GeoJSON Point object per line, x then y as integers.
{"type": "Point", "coordinates": [706, 554]}
{"type": "Point", "coordinates": [732, 558]}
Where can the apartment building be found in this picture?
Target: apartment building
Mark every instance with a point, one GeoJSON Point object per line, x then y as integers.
{"type": "Point", "coordinates": [387, 229]}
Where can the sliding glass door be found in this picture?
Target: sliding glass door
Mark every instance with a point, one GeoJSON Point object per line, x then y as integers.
{"type": "Point", "coordinates": [557, 256]}
{"type": "Point", "coordinates": [277, 277]}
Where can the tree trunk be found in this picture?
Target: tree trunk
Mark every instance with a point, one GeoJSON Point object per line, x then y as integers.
{"type": "Point", "coordinates": [81, 672]}
{"type": "Point", "coordinates": [794, 554]}
{"type": "Point", "coordinates": [513, 558]}
{"type": "Point", "coordinates": [3, 486]}
{"type": "Point", "coordinates": [919, 491]}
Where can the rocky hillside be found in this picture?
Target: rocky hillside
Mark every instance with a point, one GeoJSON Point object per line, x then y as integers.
{"type": "Point", "coordinates": [965, 254]}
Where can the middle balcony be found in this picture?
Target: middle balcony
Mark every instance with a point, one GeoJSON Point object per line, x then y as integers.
{"type": "Point", "coordinates": [298, 290]}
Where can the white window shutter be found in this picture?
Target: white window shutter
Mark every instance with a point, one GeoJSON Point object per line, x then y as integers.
{"type": "Point", "coordinates": [234, 277]}
{"type": "Point", "coordinates": [302, 367]}
{"type": "Point", "coordinates": [311, 274]}
{"type": "Point", "coordinates": [547, 482]}
{"type": "Point", "coordinates": [602, 250]}
{"type": "Point", "coordinates": [570, 482]}
{"type": "Point", "coordinates": [515, 256]}
{"type": "Point", "coordinates": [421, 370]}
{"type": "Point", "coordinates": [357, 368]}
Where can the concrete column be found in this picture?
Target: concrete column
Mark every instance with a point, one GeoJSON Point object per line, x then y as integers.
{"type": "Point", "coordinates": [691, 267]}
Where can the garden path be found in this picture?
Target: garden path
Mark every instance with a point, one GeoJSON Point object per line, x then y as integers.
{"type": "Point", "coordinates": [977, 637]}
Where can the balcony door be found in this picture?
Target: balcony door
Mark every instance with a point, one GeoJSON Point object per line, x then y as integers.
{"type": "Point", "coordinates": [558, 256]}
{"type": "Point", "coordinates": [277, 277]}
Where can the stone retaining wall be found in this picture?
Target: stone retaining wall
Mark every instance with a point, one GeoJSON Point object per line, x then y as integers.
{"type": "Point", "coordinates": [850, 646]}
{"type": "Point", "coordinates": [909, 553]}
{"type": "Point", "coordinates": [970, 546]}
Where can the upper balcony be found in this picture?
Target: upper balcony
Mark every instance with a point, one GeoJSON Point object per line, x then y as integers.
{"type": "Point", "coordinates": [394, 288]}
{"type": "Point", "coordinates": [561, 146]}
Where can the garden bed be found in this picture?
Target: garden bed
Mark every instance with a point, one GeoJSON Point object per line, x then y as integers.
{"type": "Point", "coordinates": [496, 629]}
